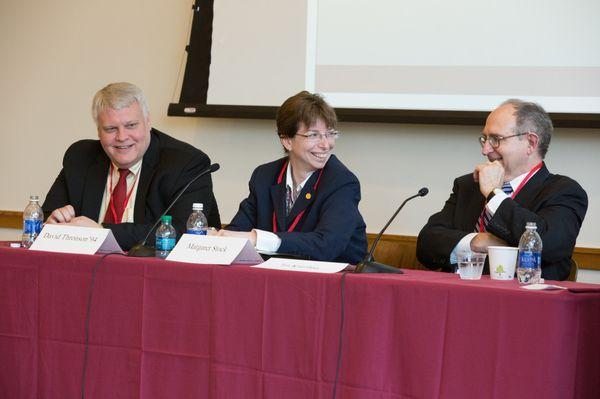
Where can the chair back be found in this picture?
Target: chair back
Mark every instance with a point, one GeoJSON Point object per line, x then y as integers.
{"type": "Point", "coordinates": [574, 270]}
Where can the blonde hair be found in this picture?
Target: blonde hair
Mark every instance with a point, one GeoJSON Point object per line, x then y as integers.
{"type": "Point", "coordinates": [118, 96]}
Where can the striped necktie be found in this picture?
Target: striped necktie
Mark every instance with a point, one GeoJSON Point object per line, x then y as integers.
{"type": "Point", "coordinates": [485, 214]}
{"type": "Point", "coordinates": [291, 196]}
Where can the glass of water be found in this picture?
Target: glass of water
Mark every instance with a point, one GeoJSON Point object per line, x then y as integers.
{"type": "Point", "coordinates": [470, 265]}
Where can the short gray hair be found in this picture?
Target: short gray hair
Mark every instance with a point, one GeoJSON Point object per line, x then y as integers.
{"type": "Point", "coordinates": [118, 96]}
{"type": "Point", "coordinates": [531, 117]}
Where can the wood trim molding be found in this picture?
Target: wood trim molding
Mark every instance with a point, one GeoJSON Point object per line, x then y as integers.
{"type": "Point", "coordinates": [394, 250]}
{"type": "Point", "coordinates": [11, 219]}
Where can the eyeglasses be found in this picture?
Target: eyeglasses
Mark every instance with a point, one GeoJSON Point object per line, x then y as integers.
{"type": "Point", "coordinates": [315, 137]}
{"type": "Point", "coordinates": [496, 140]}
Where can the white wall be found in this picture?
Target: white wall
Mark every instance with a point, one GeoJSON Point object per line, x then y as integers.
{"type": "Point", "coordinates": [56, 55]}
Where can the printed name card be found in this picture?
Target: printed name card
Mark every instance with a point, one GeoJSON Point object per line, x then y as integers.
{"type": "Point", "coordinates": [298, 265]}
{"type": "Point", "coordinates": [75, 240]}
{"type": "Point", "coordinates": [543, 287]}
{"type": "Point", "coordinates": [212, 250]}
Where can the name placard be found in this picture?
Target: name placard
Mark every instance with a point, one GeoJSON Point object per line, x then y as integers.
{"type": "Point", "coordinates": [75, 240]}
{"type": "Point", "coordinates": [299, 265]}
{"type": "Point", "coordinates": [212, 250]}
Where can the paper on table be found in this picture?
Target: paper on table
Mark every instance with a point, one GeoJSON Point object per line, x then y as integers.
{"type": "Point", "coordinates": [543, 287]}
{"type": "Point", "coordinates": [299, 265]}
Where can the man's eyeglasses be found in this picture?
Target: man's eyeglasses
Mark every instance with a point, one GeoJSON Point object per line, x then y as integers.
{"type": "Point", "coordinates": [496, 140]}
{"type": "Point", "coordinates": [315, 137]}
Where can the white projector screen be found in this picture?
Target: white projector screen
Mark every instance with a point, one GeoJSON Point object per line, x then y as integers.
{"type": "Point", "coordinates": [464, 55]}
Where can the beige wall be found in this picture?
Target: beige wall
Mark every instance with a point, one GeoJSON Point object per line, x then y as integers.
{"type": "Point", "coordinates": [55, 55]}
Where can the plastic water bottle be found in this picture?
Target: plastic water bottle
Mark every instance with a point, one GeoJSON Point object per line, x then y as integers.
{"type": "Point", "coordinates": [529, 263]}
{"type": "Point", "coordinates": [196, 223]}
{"type": "Point", "coordinates": [33, 217]}
{"type": "Point", "coordinates": [165, 237]}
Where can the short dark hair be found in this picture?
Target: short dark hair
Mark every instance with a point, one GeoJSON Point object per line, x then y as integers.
{"type": "Point", "coordinates": [303, 108]}
{"type": "Point", "coordinates": [531, 117]}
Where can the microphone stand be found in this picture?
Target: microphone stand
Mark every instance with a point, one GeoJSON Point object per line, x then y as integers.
{"type": "Point", "coordinates": [142, 250]}
{"type": "Point", "coordinates": [368, 264]}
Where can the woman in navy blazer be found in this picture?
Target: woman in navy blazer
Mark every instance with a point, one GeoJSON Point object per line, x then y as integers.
{"type": "Point", "coordinates": [305, 204]}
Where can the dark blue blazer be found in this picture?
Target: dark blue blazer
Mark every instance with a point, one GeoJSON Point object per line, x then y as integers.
{"type": "Point", "coordinates": [556, 203]}
{"type": "Point", "coordinates": [331, 229]}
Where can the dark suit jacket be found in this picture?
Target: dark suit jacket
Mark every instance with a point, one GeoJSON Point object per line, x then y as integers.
{"type": "Point", "coordinates": [167, 166]}
{"type": "Point", "coordinates": [556, 203]}
{"type": "Point", "coordinates": [331, 228]}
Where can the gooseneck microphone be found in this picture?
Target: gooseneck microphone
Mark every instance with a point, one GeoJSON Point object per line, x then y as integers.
{"type": "Point", "coordinates": [141, 249]}
{"type": "Point", "coordinates": [368, 265]}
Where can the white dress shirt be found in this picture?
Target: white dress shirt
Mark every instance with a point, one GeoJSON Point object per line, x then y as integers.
{"type": "Point", "coordinates": [132, 184]}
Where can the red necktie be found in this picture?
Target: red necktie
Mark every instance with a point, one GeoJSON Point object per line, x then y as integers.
{"type": "Point", "coordinates": [116, 206]}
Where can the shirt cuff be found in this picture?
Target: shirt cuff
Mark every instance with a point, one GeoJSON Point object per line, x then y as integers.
{"type": "Point", "coordinates": [463, 245]}
{"type": "Point", "coordinates": [496, 200]}
{"type": "Point", "coordinates": [267, 241]}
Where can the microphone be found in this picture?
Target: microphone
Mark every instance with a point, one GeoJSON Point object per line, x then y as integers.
{"type": "Point", "coordinates": [368, 264]}
{"type": "Point", "coordinates": [143, 250]}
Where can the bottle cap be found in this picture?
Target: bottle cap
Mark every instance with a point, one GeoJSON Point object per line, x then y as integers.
{"type": "Point", "coordinates": [166, 219]}
{"type": "Point", "coordinates": [197, 206]}
{"type": "Point", "coordinates": [34, 198]}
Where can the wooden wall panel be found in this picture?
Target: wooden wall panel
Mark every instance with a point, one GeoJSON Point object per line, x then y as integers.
{"type": "Point", "coordinates": [393, 250]}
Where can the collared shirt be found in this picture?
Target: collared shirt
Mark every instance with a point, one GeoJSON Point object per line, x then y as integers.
{"type": "Point", "coordinates": [265, 240]}
{"type": "Point", "coordinates": [465, 243]}
{"type": "Point", "coordinates": [132, 184]}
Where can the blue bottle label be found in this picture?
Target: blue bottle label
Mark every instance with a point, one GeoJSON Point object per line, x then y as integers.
{"type": "Point", "coordinates": [165, 243]}
{"type": "Point", "coordinates": [32, 226]}
{"type": "Point", "coordinates": [197, 232]}
{"type": "Point", "coordinates": [530, 260]}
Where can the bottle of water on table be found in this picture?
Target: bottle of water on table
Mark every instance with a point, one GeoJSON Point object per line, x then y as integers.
{"type": "Point", "coordinates": [196, 223]}
{"type": "Point", "coordinates": [33, 217]}
{"type": "Point", "coordinates": [165, 237]}
{"type": "Point", "coordinates": [529, 262]}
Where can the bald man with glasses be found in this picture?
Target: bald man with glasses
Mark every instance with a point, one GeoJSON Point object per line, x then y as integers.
{"type": "Point", "coordinates": [492, 205]}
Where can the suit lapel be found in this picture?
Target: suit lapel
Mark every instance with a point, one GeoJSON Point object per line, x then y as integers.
{"type": "Point", "coordinates": [475, 202]}
{"type": "Point", "coordinates": [93, 191]}
{"type": "Point", "coordinates": [149, 164]}
{"type": "Point", "coordinates": [532, 188]}
{"type": "Point", "coordinates": [278, 200]}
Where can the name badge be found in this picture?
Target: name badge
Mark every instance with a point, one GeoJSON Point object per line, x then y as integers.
{"type": "Point", "coordinates": [212, 250]}
{"type": "Point", "coordinates": [75, 240]}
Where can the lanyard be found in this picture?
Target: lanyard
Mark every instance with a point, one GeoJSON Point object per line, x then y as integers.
{"type": "Point", "coordinates": [515, 192]}
{"type": "Point", "coordinates": [111, 202]}
{"type": "Point", "coordinates": [526, 179]}
{"type": "Point", "coordinates": [297, 218]}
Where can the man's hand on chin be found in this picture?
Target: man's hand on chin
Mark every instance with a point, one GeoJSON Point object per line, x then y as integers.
{"type": "Point", "coordinates": [490, 175]}
{"type": "Point", "coordinates": [482, 241]}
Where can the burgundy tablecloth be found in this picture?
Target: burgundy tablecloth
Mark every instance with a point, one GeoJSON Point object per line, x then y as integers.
{"type": "Point", "coordinates": [170, 330]}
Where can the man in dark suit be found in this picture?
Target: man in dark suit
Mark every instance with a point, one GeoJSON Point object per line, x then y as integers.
{"type": "Point", "coordinates": [125, 180]}
{"type": "Point", "coordinates": [515, 187]}
{"type": "Point", "coordinates": [305, 204]}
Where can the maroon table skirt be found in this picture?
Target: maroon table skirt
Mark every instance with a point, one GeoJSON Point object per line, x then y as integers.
{"type": "Point", "coordinates": [162, 329]}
